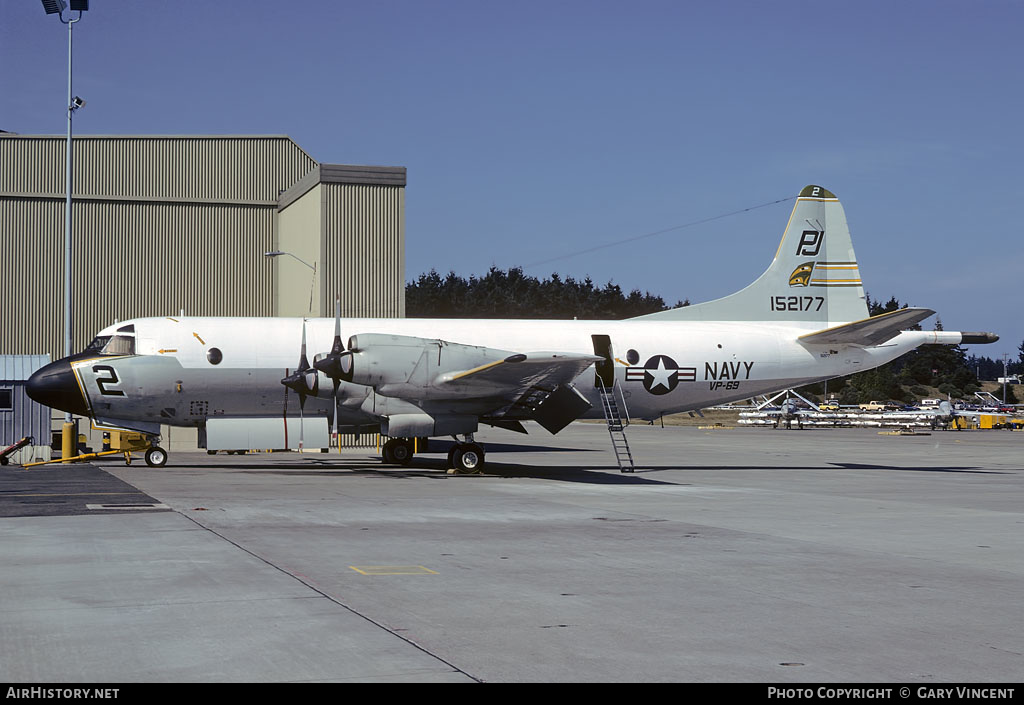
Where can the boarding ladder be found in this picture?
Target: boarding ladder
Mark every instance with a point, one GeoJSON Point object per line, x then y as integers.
{"type": "Point", "coordinates": [616, 426]}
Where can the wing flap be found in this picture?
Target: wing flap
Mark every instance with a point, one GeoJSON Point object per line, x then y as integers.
{"type": "Point", "coordinates": [869, 331]}
{"type": "Point", "coordinates": [535, 386]}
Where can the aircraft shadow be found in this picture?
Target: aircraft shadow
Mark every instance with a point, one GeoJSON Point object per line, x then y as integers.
{"type": "Point", "coordinates": [437, 446]}
{"type": "Point", "coordinates": [916, 468]}
{"type": "Point", "coordinates": [594, 475]}
{"type": "Point", "coordinates": [829, 466]}
{"type": "Point", "coordinates": [424, 466]}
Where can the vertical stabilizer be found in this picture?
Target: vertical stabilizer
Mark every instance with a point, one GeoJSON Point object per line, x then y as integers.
{"type": "Point", "coordinates": [813, 279]}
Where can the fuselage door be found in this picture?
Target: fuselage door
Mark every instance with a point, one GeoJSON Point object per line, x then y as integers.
{"type": "Point", "coordinates": [605, 368]}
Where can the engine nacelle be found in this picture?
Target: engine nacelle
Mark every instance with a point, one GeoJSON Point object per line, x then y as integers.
{"type": "Point", "coordinates": [386, 361]}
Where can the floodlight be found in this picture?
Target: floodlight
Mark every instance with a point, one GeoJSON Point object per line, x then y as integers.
{"type": "Point", "coordinates": [278, 253]}
{"type": "Point", "coordinates": [54, 7]}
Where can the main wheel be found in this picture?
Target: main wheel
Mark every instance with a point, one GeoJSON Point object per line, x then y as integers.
{"type": "Point", "coordinates": [397, 451]}
{"type": "Point", "coordinates": [468, 457]}
{"type": "Point", "coordinates": [156, 457]}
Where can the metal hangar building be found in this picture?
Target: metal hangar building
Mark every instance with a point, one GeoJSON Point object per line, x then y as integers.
{"type": "Point", "coordinates": [165, 224]}
{"type": "Point", "coordinates": [170, 225]}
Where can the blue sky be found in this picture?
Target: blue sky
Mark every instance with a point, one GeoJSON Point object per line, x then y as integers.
{"type": "Point", "coordinates": [538, 130]}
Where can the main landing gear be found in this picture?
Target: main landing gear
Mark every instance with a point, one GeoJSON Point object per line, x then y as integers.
{"type": "Point", "coordinates": [465, 456]}
{"type": "Point", "coordinates": [398, 451]}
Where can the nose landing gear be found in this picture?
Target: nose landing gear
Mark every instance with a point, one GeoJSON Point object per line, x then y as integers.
{"type": "Point", "coordinates": [156, 457]}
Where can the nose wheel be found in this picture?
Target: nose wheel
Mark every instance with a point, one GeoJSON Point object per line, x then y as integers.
{"type": "Point", "coordinates": [156, 457]}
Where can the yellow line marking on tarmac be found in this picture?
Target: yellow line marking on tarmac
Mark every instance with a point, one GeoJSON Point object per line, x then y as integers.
{"type": "Point", "coordinates": [393, 570]}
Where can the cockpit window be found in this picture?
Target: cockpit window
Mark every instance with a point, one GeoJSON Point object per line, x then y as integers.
{"type": "Point", "coordinates": [111, 345]}
{"type": "Point", "coordinates": [97, 344]}
{"type": "Point", "coordinates": [119, 345]}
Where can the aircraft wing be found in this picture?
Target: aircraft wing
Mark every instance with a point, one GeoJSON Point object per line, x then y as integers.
{"type": "Point", "coordinates": [869, 331]}
{"type": "Point", "coordinates": [437, 384]}
{"type": "Point", "coordinates": [532, 386]}
{"type": "Point", "coordinates": [522, 371]}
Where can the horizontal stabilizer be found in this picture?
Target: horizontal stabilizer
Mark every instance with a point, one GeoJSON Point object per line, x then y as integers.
{"type": "Point", "coordinates": [869, 331]}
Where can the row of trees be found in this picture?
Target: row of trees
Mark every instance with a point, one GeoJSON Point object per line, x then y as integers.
{"type": "Point", "coordinates": [512, 294]}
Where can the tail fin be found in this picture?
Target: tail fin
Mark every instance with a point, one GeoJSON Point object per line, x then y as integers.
{"type": "Point", "coordinates": [813, 279]}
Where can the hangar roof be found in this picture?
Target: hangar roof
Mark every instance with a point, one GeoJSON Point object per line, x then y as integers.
{"type": "Point", "coordinates": [343, 174]}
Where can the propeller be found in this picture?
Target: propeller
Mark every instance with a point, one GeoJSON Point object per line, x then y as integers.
{"type": "Point", "coordinates": [303, 382]}
{"type": "Point", "coordinates": [337, 363]}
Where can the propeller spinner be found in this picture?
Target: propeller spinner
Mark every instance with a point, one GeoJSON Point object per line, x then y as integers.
{"type": "Point", "coordinates": [303, 381]}
{"type": "Point", "coordinates": [337, 363]}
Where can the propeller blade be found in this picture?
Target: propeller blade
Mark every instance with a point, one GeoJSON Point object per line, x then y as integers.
{"type": "Point", "coordinates": [330, 364]}
{"type": "Point", "coordinates": [303, 380]}
{"type": "Point", "coordinates": [302, 403]}
{"type": "Point", "coordinates": [303, 362]}
{"type": "Point", "coordinates": [337, 347]}
{"type": "Point", "coordinates": [334, 396]}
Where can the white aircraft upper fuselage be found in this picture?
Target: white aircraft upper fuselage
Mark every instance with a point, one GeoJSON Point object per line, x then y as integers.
{"type": "Point", "coordinates": [804, 320]}
{"type": "Point", "coordinates": [678, 366]}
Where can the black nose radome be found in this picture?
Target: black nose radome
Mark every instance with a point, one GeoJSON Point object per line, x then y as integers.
{"type": "Point", "coordinates": [55, 386]}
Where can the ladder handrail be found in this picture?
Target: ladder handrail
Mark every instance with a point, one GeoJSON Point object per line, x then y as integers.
{"type": "Point", "coordinates": [615, 426]}
{"type": "Point", "coordinates": [622, 396]}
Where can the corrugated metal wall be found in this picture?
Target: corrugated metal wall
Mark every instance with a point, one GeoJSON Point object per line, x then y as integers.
{"type": "Point", "coordinates": [160, 224]}
{"type": "Point", "coordinates": [300, 232]}
{"type": "Point", "coordinates": [26, 418]}
{"type": "Point", "coordinates": [368, 220]}
{"type": "Point", "coordinates": [186, 168]}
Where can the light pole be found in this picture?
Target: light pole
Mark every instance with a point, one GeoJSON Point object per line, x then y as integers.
{"type": "Point", "coordinates": [69, 440]}
{"type": "Point", "coordinates": [312, 283]}
{"type": "Point", "coordinates": [1006, 378]}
